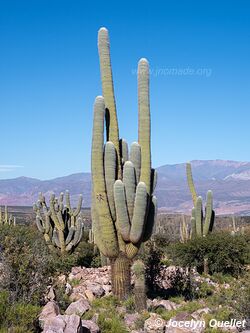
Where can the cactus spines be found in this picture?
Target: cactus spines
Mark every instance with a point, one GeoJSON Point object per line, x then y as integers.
{"type": "Point", "coordinates": [138, 269]}
{"type": "Point", "coordinates": [201, 223]}
{"type": "Point", "coordinates": [61, 225]}
{"type": "Point", "coordinates": [122, 183]}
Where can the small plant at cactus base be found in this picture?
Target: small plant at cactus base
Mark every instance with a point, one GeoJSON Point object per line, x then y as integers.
{"type": "Point", "coordinates": [201, 224]}
{"type": "Point", "coordinates": [123, 205]}
{"type": "Point", "coordinates": [6, 218]}
{"type": "Point", "coordinates": [61, 225]}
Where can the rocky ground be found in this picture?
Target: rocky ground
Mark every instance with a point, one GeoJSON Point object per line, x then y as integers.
{"type": "Point", "coordinates": [83, 287]}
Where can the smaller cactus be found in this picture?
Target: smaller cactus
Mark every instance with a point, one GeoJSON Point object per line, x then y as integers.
{"type": "Point", "coordinates": [201, 223]}
{"type": "Point", "coordinates": [138, 269]}
{"type": "Point", "coordinates": [61, 225]}
{"type": "Point", "coordinates": [6, 218]}
{"type": "Point", "coordinates": [236, 229]}
{"type": "Point", "coordinates": [185, 231]}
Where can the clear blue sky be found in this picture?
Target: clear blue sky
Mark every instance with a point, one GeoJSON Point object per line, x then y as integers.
{"type": "Point", "coordinates": [49, 77]}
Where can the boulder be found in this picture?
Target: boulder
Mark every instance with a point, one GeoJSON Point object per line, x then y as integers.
{"type": "Point", "coordinates": [73, 324]}
{"type": "Point", "coordinates": [54, 325]}
{"type": "Point", "coordinates": [50, 310]}
{"type": "Point", "coordinates": [89, 295]}
{"type": "Point", "coordinates": [199, 314]}
{"type": "Point", "coordinates": [78, 308]}
{"type": "Point", "coordinates": [154, 324]}
{"type": "Point", "coordinates": [166, 304]}
{"type": "Point", "coordinates": [88, 326]}
{"type": "Point", "coordinates": [130, 320]}
{"type": "Point", "coordinates": [96, 289]}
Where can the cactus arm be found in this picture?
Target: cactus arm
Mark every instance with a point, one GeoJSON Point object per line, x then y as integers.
{"type": "Point", "coordinates": [151, 219]}
{"type": "Point", "coordinates": [39, 224]}
{"type": "Point", "coordinates": [110, 166]}
{"type": "Point", "coordinates": [193, 228]}
{"type": "Point", "coordinates": [140, 209]}
{"type": "Point", "coordinates": [124, 150]}
{"type": "Point", "coordinates": [154, 177]}
{"type": "Point", "coordinates": [55, 239]}
{"type": "Point", "coordinates": [67, 201]}
{"type": "Point", "coordinates": [209, 211]}
{"type": "Point", "coordinates": [106, 224]}
{"type": "Point", "coordinates": [191, 182]}
{"type": "Point", "coordinates": [60, 201]}
{"type": "Point", "coordinates": [70, 235]}
{"type": "Point", "coordinates": [144, 123]}
{"type": "Point", "coordinates": [108, 91]}
{"type": "Point", "coordinates": [129, 181]}
{"type": "Point", "coordinates": [77, 211]}
{"type": "Point", "coordinates": [79, 231]}
{"type": "Point", "coordinates": [135, 158]}
{"type": "Point", "coordinates": [199, 217]}
{"type": "Point", "coordinates": [122, 221]}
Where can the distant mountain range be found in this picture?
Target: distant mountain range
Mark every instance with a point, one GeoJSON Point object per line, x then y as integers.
{"type": "Point", "coordinates": [229, 180]}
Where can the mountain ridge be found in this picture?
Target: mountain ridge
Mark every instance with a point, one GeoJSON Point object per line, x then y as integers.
{"type": "Point", "coordinates": [229, 180]}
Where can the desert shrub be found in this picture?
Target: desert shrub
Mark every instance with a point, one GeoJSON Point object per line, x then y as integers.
{"type": "Point", "coordinates": [27, 265]}
{"type": "Point", "coordinates": [17, 317]}
{"type": "Point", "coordinates": [226, 254]}
{"type": "Point", "coordinates": [25, 260]}
{"type": "Point", "coordinates": [181, 283]}
{"type": "Point", "coordinates": [151, 256]}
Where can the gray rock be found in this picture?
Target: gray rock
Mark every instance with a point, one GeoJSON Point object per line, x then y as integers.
{"type": "Point", "coordinates": [198, 315]}
{"type": "Point", "coordinates": [130, 320]}
{"type": "Point", "coordinates": [50, 310]}
{"type": "Point", "coordinates": [166, 304]}
{"type": "Point", "coordinates": [54, 325]}
{"type": "Point", "coordinates": [96, 289]}
{"type": "Point", "coordinates": [88, 326]}
{"type": "Point", "coordinates": [154, 324]}
{"type": "Point", "coordinates": [73, 324]}
{"type": "Point", "coordinates": [79, 307]}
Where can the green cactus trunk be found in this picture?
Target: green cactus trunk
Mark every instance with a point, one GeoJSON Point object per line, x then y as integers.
{"type": "Point", "coordinates": [138, 269]}
{"type": "Point", "coordinates": [121, 276]}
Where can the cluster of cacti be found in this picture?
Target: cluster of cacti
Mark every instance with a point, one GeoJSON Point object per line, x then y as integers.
{"type": "Point", "coordinates": [6, 218]}
{"type": "Point", "coordinates": [201, 224]}
{"type": "Point", "coordinates": [185, 231]}
{"type": "Point", "coordinates": [236, 229]}
{"type": "Point", "coordinates": [138, 269]}
{"type": "Point", "coordinates": [61, 225]}
{"type": "Point", "coordinates": [123, 205]}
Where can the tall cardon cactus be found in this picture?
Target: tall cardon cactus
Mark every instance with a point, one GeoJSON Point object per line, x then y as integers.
{"type": "Point", "coordinates": [61, 225]}
{"type": "Point", "coordinates": [123, 205]}
{"type": "Point", "coordinates": [201, 223]}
